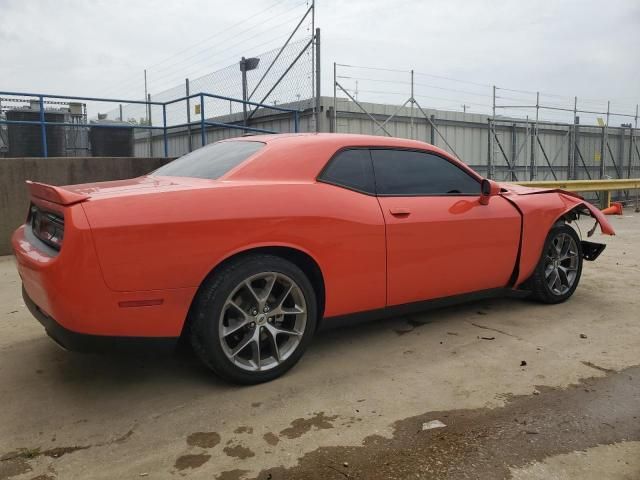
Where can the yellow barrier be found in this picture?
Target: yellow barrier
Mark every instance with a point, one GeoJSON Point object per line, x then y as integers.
{"type": "Point", "coordinates": [604, 186]}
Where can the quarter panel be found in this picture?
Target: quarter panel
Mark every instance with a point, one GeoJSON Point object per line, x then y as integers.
{"type": "Point", "coordinates": [174, 239]}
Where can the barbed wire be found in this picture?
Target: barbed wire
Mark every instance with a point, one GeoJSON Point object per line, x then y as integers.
{"type": "Point", "coordinates": [371, 81]}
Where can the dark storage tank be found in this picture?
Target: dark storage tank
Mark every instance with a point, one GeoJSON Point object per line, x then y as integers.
{"type": "Point", "coordinates": [114, 140]}
{"type": "Point", "coordinates": [26, 140]}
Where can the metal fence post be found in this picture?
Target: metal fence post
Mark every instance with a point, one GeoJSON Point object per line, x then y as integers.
{"type": "Point", "coordinates": [317, 80]}
{"type": "Point", "coordinates": [412, 135]}
{"type": "Point", "coordinates": [514, 150]}
{"type": "Point", "coordinates": [189, 142]}
{"type": "Point", "coordinates": [335, 100]}
{"type": "Point", "coordinates": [149, 123]}
{"type": "Point", "coordinates": [492, 126]}
{"type": "Point", "coordinates": [489, 145]}
{"type": "Point", "coordinates": [164, 130]}
{"type": "Point", "coordinates": [602, 143]}
{"type": "Point", "coordinates": [202, 132]}
{"type": "Point", "coordinates": [534, 140]}
{"type": "Point", "coordinates": [629, 166]}
{"type": "Point", "coordinates": [296, 121]}
{"type": "Point", "coordinates": [43, 128]}
{"type": "Point", "coordinates": [433, 130]}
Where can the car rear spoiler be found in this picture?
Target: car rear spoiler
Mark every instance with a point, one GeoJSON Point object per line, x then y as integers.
{"type": "Point", "coordinates": [55, 194]}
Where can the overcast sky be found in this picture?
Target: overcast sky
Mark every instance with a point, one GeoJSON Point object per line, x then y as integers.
{"type": "Point", "coordinates": [587, 48]}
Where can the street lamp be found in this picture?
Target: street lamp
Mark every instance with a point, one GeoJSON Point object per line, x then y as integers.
{"type": "Point", "coordinates": [246, 64]}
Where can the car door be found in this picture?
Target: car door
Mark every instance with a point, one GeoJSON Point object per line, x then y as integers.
{"type": "Point", "coordinates": [441, 241]}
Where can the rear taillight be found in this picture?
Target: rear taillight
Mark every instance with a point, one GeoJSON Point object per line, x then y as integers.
{"type": "Point", "coordinates": [47, 226]}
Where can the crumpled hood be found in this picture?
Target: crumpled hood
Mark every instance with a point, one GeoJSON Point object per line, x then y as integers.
{"type": "Point", "coordinates": [523, 196]}
{"type": "Point", "coordinates": [523, 190]}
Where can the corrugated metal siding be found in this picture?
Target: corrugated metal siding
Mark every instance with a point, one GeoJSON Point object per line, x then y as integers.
{"type": "Point", "coordinates": [466, 133]}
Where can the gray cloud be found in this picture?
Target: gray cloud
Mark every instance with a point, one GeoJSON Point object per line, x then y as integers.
{"type": "Point", "coordinates": [584, 48]}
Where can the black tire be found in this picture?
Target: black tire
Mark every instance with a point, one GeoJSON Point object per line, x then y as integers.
{"type": "Point", "coordinates": [206, 316]}
{"type": "Point", "coordinates": [539, 282]}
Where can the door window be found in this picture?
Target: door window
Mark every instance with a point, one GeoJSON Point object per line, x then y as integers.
{"type": "Point", "coordinates": [412, 173]}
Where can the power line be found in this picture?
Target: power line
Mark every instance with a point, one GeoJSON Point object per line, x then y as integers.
{"type": "Point", "coordinates": [128, 83]}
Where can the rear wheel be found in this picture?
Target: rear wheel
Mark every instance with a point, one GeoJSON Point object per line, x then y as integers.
{"type": "Point", "coordinates": [558, 271]}
{"type": "Point", "coordinates": [254, 319]}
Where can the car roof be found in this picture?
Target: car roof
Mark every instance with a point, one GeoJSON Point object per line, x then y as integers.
{"type": "Point", "coordinates": [346, 139]}
{"type": "Point", "coordinates": [302, 156]}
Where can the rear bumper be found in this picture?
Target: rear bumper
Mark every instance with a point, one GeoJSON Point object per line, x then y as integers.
{"type": "Point", "coordinates": [80, 342]}
{"type": "Point", "coordinates": [68, 286]}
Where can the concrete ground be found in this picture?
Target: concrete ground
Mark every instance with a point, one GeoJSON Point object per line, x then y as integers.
{"type": "Point", "coordinates": [525, 391]}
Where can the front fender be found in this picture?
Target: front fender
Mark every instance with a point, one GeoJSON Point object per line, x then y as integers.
{"type": "Point", "coordinates": [605, 226]}
{"type": "Point", "coordinates": [540, 211]}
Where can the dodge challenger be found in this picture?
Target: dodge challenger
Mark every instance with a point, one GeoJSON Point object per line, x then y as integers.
{"type": "Point", "coordinates": [245, 246]}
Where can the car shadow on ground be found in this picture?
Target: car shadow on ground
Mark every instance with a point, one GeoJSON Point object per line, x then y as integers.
{"type": "Point", "coordinates": [181, 367]}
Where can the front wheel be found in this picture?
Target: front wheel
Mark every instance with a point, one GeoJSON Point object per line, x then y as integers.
{"type": "Point", "coordinates": [558, 271]}
{"type": "Point", "coordinates": [254, 319]}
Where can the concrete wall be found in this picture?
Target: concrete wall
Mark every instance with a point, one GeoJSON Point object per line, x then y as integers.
{"type": "Point", "coordinates": [14, 199]}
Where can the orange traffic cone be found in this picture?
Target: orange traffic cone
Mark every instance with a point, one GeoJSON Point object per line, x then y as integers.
{"type": "Point", "coordinates": [614, 209]}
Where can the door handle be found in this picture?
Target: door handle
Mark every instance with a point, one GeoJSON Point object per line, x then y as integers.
{"type": "Point", "coordinates": [399, 212]}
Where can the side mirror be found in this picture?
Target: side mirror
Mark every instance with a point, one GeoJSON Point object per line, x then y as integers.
{"type": "Point", "coordinates": [488, 189]}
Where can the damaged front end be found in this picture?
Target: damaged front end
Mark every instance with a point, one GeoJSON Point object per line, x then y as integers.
{"type": "Point", "coordinates": [590, 250]}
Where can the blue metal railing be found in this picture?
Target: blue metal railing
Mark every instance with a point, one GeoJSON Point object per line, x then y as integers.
{"type": "Point", "coordinates": [202, 122]}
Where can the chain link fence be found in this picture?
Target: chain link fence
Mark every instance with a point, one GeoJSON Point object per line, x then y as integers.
{"type": "Point", "coordinates": [282, 77]}
{"type": "Point", "coordinates": [506, 134]}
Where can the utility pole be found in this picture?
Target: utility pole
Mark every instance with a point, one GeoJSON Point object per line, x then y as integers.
{"type": "Point", "coordinates": [464, 108]}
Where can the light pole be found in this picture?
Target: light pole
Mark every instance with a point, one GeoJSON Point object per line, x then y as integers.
{"type": "Point", "coordinates": [246, 64]}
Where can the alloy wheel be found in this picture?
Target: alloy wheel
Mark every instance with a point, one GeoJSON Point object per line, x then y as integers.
{"type": "Point", "coordinates": [262, 321]}
{"type": "Point", "coordinates": [561, 264]}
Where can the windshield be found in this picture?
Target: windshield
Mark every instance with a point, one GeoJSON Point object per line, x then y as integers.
{"type": "Point", "coordinates": [211, 161]}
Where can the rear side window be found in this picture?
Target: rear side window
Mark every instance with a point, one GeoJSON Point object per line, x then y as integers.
{"type": "Point", "coordinates": [211, 161]}
{"type": "Point", "coordinates": [406, 172]}
{"type": "Point", "coordinates": [351, 169]}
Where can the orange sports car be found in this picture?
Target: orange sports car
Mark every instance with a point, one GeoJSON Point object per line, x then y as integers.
{"type": "Point", "coordinates": [246, 245]}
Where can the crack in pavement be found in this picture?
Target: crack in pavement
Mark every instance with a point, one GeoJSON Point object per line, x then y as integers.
{"type": "Point", "coordinates": [495, 330]}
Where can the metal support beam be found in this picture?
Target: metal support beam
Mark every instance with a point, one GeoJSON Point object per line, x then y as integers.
{"type": "Point", "coordinates": [514, 147]}
{"type": "Point", "coordinates": [335, 100]}
{"type": "Point", "coordinates": [189, 139]}
{"type": "Point", "coordinates": [602, 142]}
{"type": "Point", "coordinates": [433, 130]}
{"type": "Point", "coordinates": [412, 133]}
{"type": "Point", "coordinates": [284, 74]}
{"type": "Point", "coordinates": [504, 155]}
{"type": "Point", "coordinates": [318, 81]}
{"type": "Point", "coordinates": [275, 59]}
{"type": "Point", "coordinates": [544, 153]}
{"type": "Point", "coordinates": [149, 121]}
{"type": "Point", "coordinates": [362, 108]}
{"type": "Point", "coordinates": [436, 129]}
{"type": "Point", "coordinates": [164, 131]}
{"type": "Point", "coordinates": [43, 128]}
{"type": "Point", "coordinates": [203, 134]}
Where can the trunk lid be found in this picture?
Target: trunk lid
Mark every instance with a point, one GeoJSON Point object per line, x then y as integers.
{"type": "Point", "coordinates": [136, 186]}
